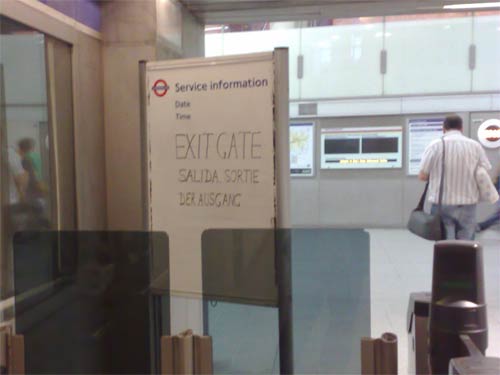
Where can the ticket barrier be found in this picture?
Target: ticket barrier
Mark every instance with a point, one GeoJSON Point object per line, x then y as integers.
{"type": "Point", "coordinates": [448, 328]}
{"type": "Point", "coordinates": [417, 323]}
{"type": "Point", "coordinates": [476, 363]}
{"type": "Point", "coordinates": [458, 305]}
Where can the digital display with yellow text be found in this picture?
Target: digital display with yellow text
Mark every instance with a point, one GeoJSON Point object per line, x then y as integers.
{"type": "Point", "coordinates": [361, 148]}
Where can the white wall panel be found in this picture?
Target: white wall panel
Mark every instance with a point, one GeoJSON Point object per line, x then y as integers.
{"type": "Point", "coordinates": [428, 56]}
{"type": "Point", "coordinates": [361, 202]}
{"type": "Point", "coordinates": [214, 45]}
{"type": "Point", "coordinates": [342, 61]}
{"type": "Point", "coordinates": [264, 41]}
{"type": "Point", "coordinates": [305, 202]}
{"type": "Point", "coordinates": [402, 105]}
{"type": "Point", "coordinates": [359, 107]}
{"type": "Point", "coordinates": [486, 76]}
{"type": "Point", "coordinates": [449, 103]}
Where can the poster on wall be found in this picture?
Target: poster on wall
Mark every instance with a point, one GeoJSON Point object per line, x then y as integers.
{"type": "Point", "coordinates": [302, 149]}
{"type": "Point", "coordinates": [421, 132]}
{"type": "Point", "coordinates": [211, 153]}
{"type": "Point", "coordinates": [361, 148]}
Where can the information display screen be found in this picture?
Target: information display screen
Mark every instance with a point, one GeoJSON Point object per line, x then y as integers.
{"type": "Point", "coordinates": [302, 149]}
{"type": "Point", "coordinates": [361, 148]}
{"type": "Point", "coordinates": [421, 132]}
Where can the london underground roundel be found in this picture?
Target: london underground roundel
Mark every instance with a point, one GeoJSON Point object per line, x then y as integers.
{"type": "Point", "coordinates": [160, 87]}
{"type": "Point", "coordinates": [489, 133]}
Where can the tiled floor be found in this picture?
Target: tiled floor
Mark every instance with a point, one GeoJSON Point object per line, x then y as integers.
{"type": "Point", "coordinates": [401, 263]}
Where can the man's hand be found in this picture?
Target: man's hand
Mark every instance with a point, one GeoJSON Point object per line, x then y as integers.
{"type": "Point", "coordinates": [423, 176]}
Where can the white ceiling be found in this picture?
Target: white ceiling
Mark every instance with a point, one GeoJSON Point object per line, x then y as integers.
{"type": "Point", "coordinates": [246, 11]}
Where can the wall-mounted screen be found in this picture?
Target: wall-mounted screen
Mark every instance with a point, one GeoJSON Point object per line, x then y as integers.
{"type": "Point", "coordinates": [302, 149]}
{"type": "Point", "coordinates": [361, 148]}
{"type": "Point", "coordinates": [421, 132]}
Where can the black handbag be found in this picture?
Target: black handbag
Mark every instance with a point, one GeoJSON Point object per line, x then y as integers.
{"type": "Point", "coordinates": [429, 226]}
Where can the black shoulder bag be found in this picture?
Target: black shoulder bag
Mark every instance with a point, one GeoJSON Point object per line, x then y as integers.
{"type": "Point", "coordinates": [429, 226]}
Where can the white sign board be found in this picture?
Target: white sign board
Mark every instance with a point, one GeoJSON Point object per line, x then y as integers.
{"type": "Point", "coordinates": [489, 133]}
{"type": "Point", "coordinates": [302, 149]}
{"type": "Point", "coordinates": [361, 148]}
{"type": "Point", "coordinates": [421, 132]}
{"type": "Point", "coordinates": [210, 137]}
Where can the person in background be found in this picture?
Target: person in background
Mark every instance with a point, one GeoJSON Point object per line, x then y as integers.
{"type": "Point", "coordinates": [32, 164]}
{"type": "Point", "coordinates": [495, 217]}
{"type": "Point", "coordinates": [18, 177]}
{"type": "Point", "coordinates": [460, 192]}
{"type": "Point", "coordinates": [18, 182]}
{"type": "Point", "coordinates": [26, 149]}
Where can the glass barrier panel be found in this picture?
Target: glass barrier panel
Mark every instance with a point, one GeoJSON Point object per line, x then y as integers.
{"type": "Point", "coordinates": [26, 198]}
{"type": "Point", "coordinates": [327, 279]}
{"type": "Point", "coordinates": [91, 302]}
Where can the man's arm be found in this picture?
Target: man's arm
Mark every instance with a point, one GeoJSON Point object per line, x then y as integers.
{"type": "Point", "coordinates": [21, 181]}
{"type": "Point", "coordinates": [426, 163]}
{"type": "Point", "coordinates": [19, 175]}
{"type": "Point", "coordinates": [483, 159]}
{"type": "Point", "coordinates": [422, 176]}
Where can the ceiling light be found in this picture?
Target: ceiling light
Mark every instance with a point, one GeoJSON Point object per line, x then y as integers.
{"type": "Point", "coordinates": [216, 28]}
{"type": "Point", "coordinates": [473, 6]}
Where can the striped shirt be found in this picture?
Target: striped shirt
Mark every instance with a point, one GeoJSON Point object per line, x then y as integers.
{"type": "Point", "coordinates": [463, 155]}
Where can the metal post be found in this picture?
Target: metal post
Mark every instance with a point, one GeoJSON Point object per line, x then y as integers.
{"type": "Point", "coordinates": [144, 147]}
{"type": "Point", "coordinates": [284, 279]}
{"type": "Point", "coordinates": [283, 234]}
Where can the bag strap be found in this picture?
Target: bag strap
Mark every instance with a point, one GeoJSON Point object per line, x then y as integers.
{"type": "Point", "coordinates": [421, 203]}
{"type": "Point", "coordinates": [441, 183]}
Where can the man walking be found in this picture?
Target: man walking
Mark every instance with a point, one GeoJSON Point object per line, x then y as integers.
{"type": "Point", "coordinates": [460, 191]}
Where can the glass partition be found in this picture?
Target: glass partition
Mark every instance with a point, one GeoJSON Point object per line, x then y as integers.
{"type": "Point", "coordinates": [246, 291]}
{"type": "Point", "coordinates": [341, 60]}
{"type": "Point", "coordinates": [486, 34]}
{"type": "Point", "coordinates": [426, 53]}
{"type": "Point", "coordinates": [427, 56]}
{"type": "Point", "coordinates": [26, 198]}
{"type": "Point", "coordinates": [240, 292]}
{"type": "Point", "coordinates": [91, 302]}
{"type": "Point", "coordinates": [214, 45]}
{"type": "Point", "coordinates": [260, 41]}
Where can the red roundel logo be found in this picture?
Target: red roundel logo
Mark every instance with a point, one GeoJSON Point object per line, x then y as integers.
{"type": "Point", "coordinates": [489, 133]}
{"type": "Point", "coordinates": [493, 133]}
{"type": "Point", "coordinates": [160, 87]}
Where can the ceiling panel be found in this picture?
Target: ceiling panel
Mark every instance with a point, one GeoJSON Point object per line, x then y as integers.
{"type": "Point", "coordinates": [245, 11]}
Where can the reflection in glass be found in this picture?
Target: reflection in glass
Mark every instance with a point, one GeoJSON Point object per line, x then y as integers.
{"type": "Point", "coordinates": [24, 134]}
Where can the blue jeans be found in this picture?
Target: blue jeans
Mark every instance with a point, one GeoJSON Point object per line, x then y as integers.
{"type": "Point", "coordinates": [459, 221]}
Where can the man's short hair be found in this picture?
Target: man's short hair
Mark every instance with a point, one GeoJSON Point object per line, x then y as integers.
{"type": "Point", "coordinates": [453, 122]}
{"type": "Point", "coordinates": [26, 144]}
